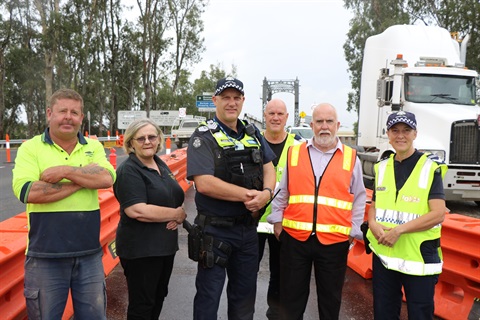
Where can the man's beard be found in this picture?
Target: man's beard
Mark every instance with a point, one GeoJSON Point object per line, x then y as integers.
{"type": "Point", "coordinates": [325, 141]}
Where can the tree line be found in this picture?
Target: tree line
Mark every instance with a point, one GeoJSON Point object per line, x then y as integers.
{"type": "Point", "coordinates": [140, 56]}
{"type": "Point", "coordinates": [375, 16]}
{"type": "Point", "coordinates": [135, 57]}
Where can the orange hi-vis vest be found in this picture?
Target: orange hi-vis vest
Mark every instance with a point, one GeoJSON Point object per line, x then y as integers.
{"type": "Point", "coordinates": [326, 209]}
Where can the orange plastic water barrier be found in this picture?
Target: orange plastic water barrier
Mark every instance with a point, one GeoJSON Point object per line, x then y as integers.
{"type": "Point", "coordinates": [13, 239]}
{"type": "Point", "coordinates": [358, 260]}
{"type": "Point", "coordinates": [458, 286]}
{"type": "Point", "coordinates": [177, 162]}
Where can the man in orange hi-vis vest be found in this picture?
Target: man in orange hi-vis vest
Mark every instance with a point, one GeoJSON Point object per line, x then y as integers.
{"type": "Point", "coordinates": [316, 214]}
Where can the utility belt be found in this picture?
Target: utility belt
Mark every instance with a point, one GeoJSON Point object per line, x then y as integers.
{"type": "Point", "coordinates": [225, 222]}
{"type": "Point", "coordinates": [200, 247]}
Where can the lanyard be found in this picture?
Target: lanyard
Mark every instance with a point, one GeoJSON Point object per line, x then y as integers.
{"type": "Point", "coordinates": [238, 145]}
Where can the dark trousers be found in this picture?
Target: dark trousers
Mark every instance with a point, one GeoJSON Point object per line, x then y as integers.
{"type": "Point", "coordinates": [387, 293]}
{"type": "Point", "coordinates": [273, 293]}
{"type": "Point", "coordinates": [241, 271]}
{"type": "Point", "coordinates": [147, 281]}
{"type": "Point", "coordinates": [296, 259]}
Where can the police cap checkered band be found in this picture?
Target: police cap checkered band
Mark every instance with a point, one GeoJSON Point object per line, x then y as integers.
{"type": "Point", "coordinates": [229, 82]}
{"type": "Point", "coordinates": [402, 117]}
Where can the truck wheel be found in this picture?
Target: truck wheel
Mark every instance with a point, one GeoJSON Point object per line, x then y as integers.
{"type": "Point", "coordinates": [183, 143]}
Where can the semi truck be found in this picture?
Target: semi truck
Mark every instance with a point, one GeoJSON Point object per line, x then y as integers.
{"type": "Point", "coordinates": [421, 69]}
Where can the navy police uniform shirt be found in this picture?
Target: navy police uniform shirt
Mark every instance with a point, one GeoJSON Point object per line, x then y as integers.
{"type": "Point", "coordinates": [200, 161]}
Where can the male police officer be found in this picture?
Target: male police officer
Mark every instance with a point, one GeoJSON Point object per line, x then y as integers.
{"type": "Point", "coordinates": [231, 165]}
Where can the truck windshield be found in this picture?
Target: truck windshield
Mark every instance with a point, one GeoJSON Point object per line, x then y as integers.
{"type": "Point", "coordinates": [434, 88]}
{"type": "Point", "coordinates": [190, 124]}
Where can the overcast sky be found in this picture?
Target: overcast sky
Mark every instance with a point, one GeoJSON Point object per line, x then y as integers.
{"type": "Point", "coordinates": [282, 40]}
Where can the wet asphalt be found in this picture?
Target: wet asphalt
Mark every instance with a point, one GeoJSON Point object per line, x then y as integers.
{"type": "Point", "coordinates": [178, 305]}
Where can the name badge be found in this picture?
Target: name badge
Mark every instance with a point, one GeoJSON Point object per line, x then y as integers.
{"type": "Point", "coordinates": [239, 146]}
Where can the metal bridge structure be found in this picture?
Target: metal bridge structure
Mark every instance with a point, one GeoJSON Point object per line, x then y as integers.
{"type": "Point", "coordinates": [270, 87]}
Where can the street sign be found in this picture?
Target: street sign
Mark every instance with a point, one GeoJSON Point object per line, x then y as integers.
{"type": "Point", "coordinates": [205, 104]}
{"type": "Point", "coordinates": [204, 98]}
{"type": "Point", "coordinates": [205, 101]}
{"type": "Point", "coordinates": [206, 109]}
{"type": "Point", "coordinates": [164, 118]}
{"type": "Point", "coordinates": [182, 112]}
{"type": "Point", "coordinates": [127, 117]}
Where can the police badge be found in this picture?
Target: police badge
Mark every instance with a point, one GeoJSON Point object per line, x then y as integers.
{"type": "Point", "coordinates": [197, 142]}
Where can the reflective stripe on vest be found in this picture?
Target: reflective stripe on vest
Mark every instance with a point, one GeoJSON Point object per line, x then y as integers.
{"type": "Point", "coordinates": [396, 217]}
{"type": "Point", "coordinates": [411, 267]}
{"type": "Point", "coordinates": [333, 204]}
{"type": "Point", "coordinates": [308, 226]}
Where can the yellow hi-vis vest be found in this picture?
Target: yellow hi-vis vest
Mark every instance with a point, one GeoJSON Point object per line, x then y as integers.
{"type": "Point", "coordinates": [263, 225]}
{"type": "Point", "coordinates": [410, 204]}
{"type": "Point", "coordinates": [325, 210]}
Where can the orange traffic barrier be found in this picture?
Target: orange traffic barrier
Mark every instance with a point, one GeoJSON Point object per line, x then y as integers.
{"type": "Point", "coordinates": [7, 147]}
{"type": "Point", "coordinates": [168, 145]}
{"type": "Point", "coordinates": [458, 286]}
{"type": "Point", "coordinates": [120, 141]}
{"type": "Point", "coordinates": [358, 260]}
{"type": "Point", "coordinates": [113, 157]}
{"type": "Point", "coordinates": [177, 162]}
{"type": "Point", "coordinates": [13, 239]}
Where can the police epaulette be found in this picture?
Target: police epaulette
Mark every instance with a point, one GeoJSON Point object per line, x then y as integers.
{"type": "Point", "coordinates": [435, 158]}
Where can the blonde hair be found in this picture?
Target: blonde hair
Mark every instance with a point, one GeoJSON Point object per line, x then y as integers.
{"type": "Point", "coordinates": [132, 130]}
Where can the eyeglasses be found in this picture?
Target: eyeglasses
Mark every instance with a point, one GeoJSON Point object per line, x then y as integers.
{"type": "Point", "coordinates": [142, 140]}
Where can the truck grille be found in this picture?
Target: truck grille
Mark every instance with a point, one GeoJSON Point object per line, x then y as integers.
{"type": "Point", "coordinates": [465, 142]}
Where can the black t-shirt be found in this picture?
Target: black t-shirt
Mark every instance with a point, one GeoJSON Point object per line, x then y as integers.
{"type": "Point", "coordinates": [277, 148]}
{"type": "Point", "coordinates": [200, 161]}
{"type": "Point", "coordinates": [137, 183]}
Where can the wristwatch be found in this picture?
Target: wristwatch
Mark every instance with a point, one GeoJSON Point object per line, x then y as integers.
{"type": "Point", "coordinates": [271, 192]}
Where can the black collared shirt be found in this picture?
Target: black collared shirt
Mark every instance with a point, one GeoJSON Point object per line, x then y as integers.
{"type": "Point", "coordinates": [137, 183]}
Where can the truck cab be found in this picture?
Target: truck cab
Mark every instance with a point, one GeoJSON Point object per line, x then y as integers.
{"type": "Point", "coordinates": [419, 69]}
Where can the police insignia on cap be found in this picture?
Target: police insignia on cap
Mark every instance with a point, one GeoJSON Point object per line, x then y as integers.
{"type": "Point", "coordinates": [197, 142]}
{"type": "Point", "coordinates": [228, 82]}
